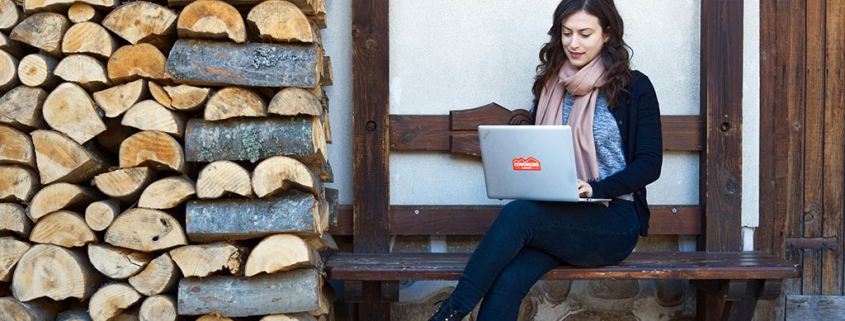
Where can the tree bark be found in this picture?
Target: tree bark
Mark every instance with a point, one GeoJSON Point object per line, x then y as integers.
{"type": "Point", "coordinates": [280, 21]}
{"type": "Point", "coordinates": [167, 193]}
{"type": "Point", "coordinates": [89, 38]}
{"type": "Point", "coordinates": [152, 148]}
{"type": "Point", "coordinates": [282, 173]}
{"type": "Point", "coordinates": [21, 107]}
{"type": "Point", "coordinates": [221, 178]}
{"type": "Point", "coordinates": [150, 115]}
{"type": "Point", "coordinates": [63, 228]}
{"type": "Point", "coordinates": [131, 62]}
{"type": "Point", "coordinates": [248, 64]}
{"type": "Point", "coordinates": [117, 263]}
{"type": "Point", "coordinates": [282, 252]}
{"type": "Point", "coordinates": [12, 251]}
{"type": "Point", "coordinates": [255, 139]}
{"type": "Point", "coordinates": [143, 22]}
{"type": "Point", "coordinates": [60, 196]}
{"type": "Point", "coordinates": [234, 102]}
{"type": "Point", "coordinates": [145, 230]}
{"type": "Point", "coordinates": [158, 308]}
{"type": "Point", "coordinates": [111, 300]}
{"type": "Point", "coordinates": [211, 20]}
{"type": "Point", "coordinates": [17, 183]}
{"type": "Point", "coordinates": [38, 70]}
{"type": "Point", "coordinates": [218, 220]}
{"type": "Point", "coordinates": [125, 184]}
{"type": "Point", "coordinates": [84, 70]}
{"type": "Point", "coordinates": [100, 214]}
{"type": "Point", "coordinates": [8, 71]}
{"type": "Point", "coordinates": [60, 159]}
{"type": "Point", "coordinates": [292, 291]}
{"type": "Point", "coordinates": [69, 110]}
{"type": "Point", "coordinates": [17, 148]}
{"type": "Point", "coordinates": [295, 101]}
{"type": "Point", "coordinates": [160, 275]}
{"type": "Point", "coordinates": [83, 12]}
{"type": "Point", "coordinates": [35, 310]}
{"type": "Point", "coordinates": [72, 275]}
{"type": "Point", "coordinates": [43, 30]}
{"type": "Point", "coordinates": [116, 100]}
{"type": "Point", "coordinates": [202, 260]}
{"type": "Point", "coordinates": [13, 219]}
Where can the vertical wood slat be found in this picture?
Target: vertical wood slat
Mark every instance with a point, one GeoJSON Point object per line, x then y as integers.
{"type": "Point", "coordinates": [370, 146]}
{"type": "Point", "coordinates": [721, 102]}
{"type": "Point", "coordinates": [834, 145]}
{"type": "Point", "coordinates": [814, 128]}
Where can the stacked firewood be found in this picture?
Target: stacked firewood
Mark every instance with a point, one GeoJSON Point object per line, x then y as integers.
{"type": "Point", "coordinates": [164, 160]}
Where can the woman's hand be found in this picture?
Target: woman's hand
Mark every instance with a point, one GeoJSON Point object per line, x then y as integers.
{"type": "Point", "coordinates": [584, 189]}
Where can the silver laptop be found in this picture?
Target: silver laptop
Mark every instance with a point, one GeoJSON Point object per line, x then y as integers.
{"type": "Point", "coordinates": [530, 163]}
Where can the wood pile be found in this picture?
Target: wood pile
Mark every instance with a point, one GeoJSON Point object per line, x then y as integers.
{"type": "Point", "coordinates": [164, 160]}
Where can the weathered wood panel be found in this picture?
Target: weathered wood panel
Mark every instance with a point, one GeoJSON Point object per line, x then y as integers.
{"type": "Point", "coordinates": [287, 292]}
{"type": "Point", "coordinates": [201, 62]}
{"type": "Point", "coordinates": [239, 219]}
{"type": "Point", "coordinates": [815, 308]}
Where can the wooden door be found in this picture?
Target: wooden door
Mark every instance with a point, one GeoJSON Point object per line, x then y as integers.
{"type": "Point", "coordinates": [802, 146]}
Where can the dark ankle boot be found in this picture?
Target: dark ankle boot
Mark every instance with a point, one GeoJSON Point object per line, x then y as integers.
{"type": "Point", "coordinates": [448, 312]}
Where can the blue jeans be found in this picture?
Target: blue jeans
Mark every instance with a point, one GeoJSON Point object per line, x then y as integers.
{"type": "Point", "coordinates": [529, 238]}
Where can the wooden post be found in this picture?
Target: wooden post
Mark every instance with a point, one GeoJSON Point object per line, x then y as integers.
{"type": "Point", "coordinates": [370, 148]}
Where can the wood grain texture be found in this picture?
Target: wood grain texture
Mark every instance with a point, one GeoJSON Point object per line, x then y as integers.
{"type": "Point", "coordinates": [223, 178]}
{"type": "Point", "coordinates": [167, 193]}
{"type": "Point", "coordinates": [43, 30]}
{"type": "Point", "coordinates": [16, 148]}
{"type": "Point", "coordinates": [142, 22]}
{"type": "Point", "coordinates": [211, 20]}
{"type": "Point", "coordinates": [59, 196]}
{"type": "Point", "coordinates": [145, 230]}
{"type": "Point", "coordinates": [117, 263]}
{"type": "Point", "coordinates": [280, 21]}
{"type": "Point", "coordinates": [35, 310]}
{"type": "Point", "coordinates": [116, 100]}
{"type": "Point", "coordinates": [814, 307]}
{"type": "Point", "coordinates": [125, 184]}
{"type": "Point", "coordinates": [150, 115]}
{"type": "Point", "coordinates": [18, 183]}
{"type": "Point", "coordinates": [202, 260]}
{"type": "Point", "coordinates": [12, 251]}
{"type": "Point", "coordinates": [814, 127]}
{"type": "Point", "coordinates": [60, 159]}
{"type": "Point", "coordinates": [82, 12]}
{"type": "Point", "coordinates": [9, 75]}
{"type": "Point", "coordinates": [152, 148]}
{"type": "Point", "coordinates": [70, 110]}
{"type": "Point", "coordinates": [111, 299]}
{"type": "Point", "coordinates": [13, 219]}
{"type": "Point", "coordinates": [63, 228]}
{"type": "Point", "coordinates": [131, 62]}
{"type": "Point", "coordinates": [72, 275]}
{"type": "Point", "coordinates": [31, 6]}
{"type": "Point", "coordinates": [89, 38]}
{"type": "Point", "coordinates": [235, 102]}
{"type": "Point", "coordinates": [38, 70]}
{"type": "Point", "coordinates": [21, 107]}
{"type": "Point", "coordinates": [84, 70]}
{"type": "Point", "coordinates": [160, 275]}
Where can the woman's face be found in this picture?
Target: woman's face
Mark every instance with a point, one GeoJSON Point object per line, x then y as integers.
{"type": "Point", "coordinates": [582, 38]}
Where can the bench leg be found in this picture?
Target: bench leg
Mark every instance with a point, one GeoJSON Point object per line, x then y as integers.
{"type": "Point", "coordinates": [372, 308]}
{"type": "Point", "coordinates": [733, 300]}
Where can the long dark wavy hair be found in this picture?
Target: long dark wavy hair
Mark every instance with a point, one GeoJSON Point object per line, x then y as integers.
{"type": "Point", "coordinates": [615, 53]}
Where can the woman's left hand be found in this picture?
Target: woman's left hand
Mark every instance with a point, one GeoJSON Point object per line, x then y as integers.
{"type": "Point", "coordinates": [584, 189]}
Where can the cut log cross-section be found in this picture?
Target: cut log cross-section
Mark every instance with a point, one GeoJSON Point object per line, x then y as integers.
{"type": "Point", "coordinates": [158, 308]}
{"type": "Point", "coordinates": [211, 20]}
{"type": "Point", "coordinates": [282, 173]}
{"type": "Point", "coordinates": [111, 299]}
{"type": "Point", "coordinates": [10, 46]}
{"type": "Point", "coordinates": [117, 263]}
{"type": "Point", "coordinates": [59, 196]}
{"type": "Point", "coordinates": [16, 148]}
{"type": "Point", "coordinates": [292, 291]}
{"type": "Point", "coordinates": [13, 219]}
{"type": "Point", "coordinates": [220, 178]}
{"type": "Point", "coordinates": [136, 61]}
{"type": "Point", "coordinates": [254, 139]}
{"type": "Point", "coordinates": [145, 230]}
{"type": "Point", "coordinates": [12, 251]}
{"type": "Point", "coordinates": [142, 22]}
{"type": "Point", "coordinates": [152, 148]}
{"type": "Point", "coordinates": [281, 252]}
{"type": "Point", "coordinates": [17, 183]}
{"type": "Point", "coordinates": [202, 260]}
{"type": "Point", "coordinates": [37, 70]}
{"type": "Point", "coordinates": [9, 66]}
{"type": "Point", "coordinates": [89, 38]}
{"type": "Point", "coordinates": [10, 15]}
{"type": "Point", "coordinates": [160, 275]}
{"type": "Point", "coordinates": [167, 193]}
{"type": "Point", "coordinates": [63, 228]}
{"type": "Point", "coordinates": [60, 159]}
{"type": "Point", "coordinates": [35, 310]}
{"type": "Point", "coordinates": [182, 97]}
{"type": "Point", "coordinates": [21, 106]}
{"type": "Point", "coordinates": [71, 275]}
{"type": "Point", "coordinates": [82, 12]}
{"type": "Point", "coordinates": [248, 64]}
{"type": "Point", "coordinates": [232, 219]}
{"type": "Point", "coordinates": [295, 101]}
{"type": "Point", "coordinates": [233, 102]}
{"type": "Point", "coordinates": [100, 214]}
{"type": "Point", "coordinates": [43, 30]}
{"type": "Point", "coordinates": [31, 6]}
{"type": "Point", "coordinates": [150, 115]}
{"type": "Point", "coordinates": [125, 184]}
{"type": "Point", "coordinates": [116, 100]}
{"type": "Point", "coordinates": [84, 70]}
{"type": "Point", "coordinates": [280, 21]}
{"type": "Point", "coordinates": [70, 110]}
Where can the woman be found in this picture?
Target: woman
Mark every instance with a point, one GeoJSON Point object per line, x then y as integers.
{"type": "Point", "coordinates": [584, 80]}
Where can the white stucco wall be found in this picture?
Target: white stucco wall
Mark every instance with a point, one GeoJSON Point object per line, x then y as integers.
{"type": "Point", "coordinates": [449, 55]}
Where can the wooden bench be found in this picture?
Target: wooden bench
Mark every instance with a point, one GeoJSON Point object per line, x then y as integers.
{"type": "Point", "coordinates": [730, 283]}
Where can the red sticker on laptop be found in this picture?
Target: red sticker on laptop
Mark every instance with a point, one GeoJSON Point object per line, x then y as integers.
{"type": "Point", "coordinates": [529, 164]}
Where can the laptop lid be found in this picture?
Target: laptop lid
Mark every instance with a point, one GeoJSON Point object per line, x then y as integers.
{"type": "Point", "coordinates": [529, 163]}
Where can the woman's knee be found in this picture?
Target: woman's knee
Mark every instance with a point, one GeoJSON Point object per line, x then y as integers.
{"type": "Point", "coordinates": [516, 211]}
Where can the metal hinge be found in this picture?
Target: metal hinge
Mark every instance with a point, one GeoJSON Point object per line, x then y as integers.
{"type": "Point", "coordinates": [813, 243]}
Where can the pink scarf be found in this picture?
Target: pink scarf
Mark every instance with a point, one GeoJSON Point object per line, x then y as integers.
{"type": "Point", "coordinates": [584, 84]}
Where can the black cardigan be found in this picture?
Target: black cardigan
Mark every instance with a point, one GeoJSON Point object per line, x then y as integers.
{"type": "Point", "coordinates": [638, 118]}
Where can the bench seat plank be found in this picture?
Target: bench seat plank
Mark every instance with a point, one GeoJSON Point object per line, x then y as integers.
{"type": "Point", "coordinates": [649, 265]}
